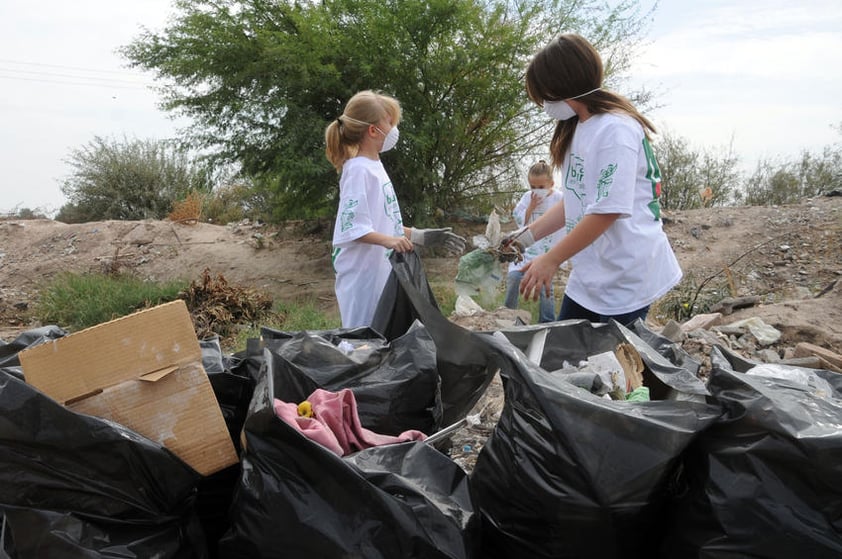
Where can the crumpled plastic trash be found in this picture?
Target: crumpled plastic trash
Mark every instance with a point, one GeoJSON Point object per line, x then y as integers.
{"type": "Point", "coordinates": [479, 272]}
{"type": "Point", "coordinates": [804, 377]}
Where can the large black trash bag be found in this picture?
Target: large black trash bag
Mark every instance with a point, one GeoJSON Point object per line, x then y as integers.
{"type": "Point", "coordinates": [73, 485]}
{"type": "Point", "coordinates": [569, 474]}
{"type": "Point", "coordinates": [569, 342]}
{"type": "Point", "coordinates": [298, 499]}
{"type": "Point", "coordinates": [463, 362]}
{"type": "Point", "coordinates": [233, 388]}
{"type": "Point", "coordinates": [395, 384]}
{"type": "Point", "coordinates": [764, 481]}
{"type": "Point", "coordinates": [9, 351]}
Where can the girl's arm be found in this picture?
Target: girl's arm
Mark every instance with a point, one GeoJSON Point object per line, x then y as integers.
{"type": "Point", "coordinates": [549, 223]}
{"type": "Point", "coordinates": [400, 244]}
{"type": "Point", "coordinates": [540, 272]}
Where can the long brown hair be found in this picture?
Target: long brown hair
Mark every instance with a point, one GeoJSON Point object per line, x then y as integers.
{"type": "Point", "coordinates": [568, 67]}
{"type": "Point", "coordinates": [344, 134]}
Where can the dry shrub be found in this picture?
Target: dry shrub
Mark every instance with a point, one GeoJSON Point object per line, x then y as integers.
{"type": "Point", "coordinates": [218, 307]}
{"type": "Point", "coordinates": [188, 210]}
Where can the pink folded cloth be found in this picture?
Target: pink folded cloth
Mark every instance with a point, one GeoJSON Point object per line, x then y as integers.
{"type": "Point", "coordinates": [335, 423]}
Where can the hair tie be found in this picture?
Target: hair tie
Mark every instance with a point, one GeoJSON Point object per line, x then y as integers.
{"type": "Point", "coordinates": [339, 120]}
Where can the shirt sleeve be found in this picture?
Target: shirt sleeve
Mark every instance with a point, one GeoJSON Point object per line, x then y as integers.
{"type": "Point", "coordinates": [354, 218]}
{"type": "Point", "coordinates": [613, 171]}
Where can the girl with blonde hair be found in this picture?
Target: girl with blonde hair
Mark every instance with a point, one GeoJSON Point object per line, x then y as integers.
{"type": "Point", "coordinates": [369, 225]}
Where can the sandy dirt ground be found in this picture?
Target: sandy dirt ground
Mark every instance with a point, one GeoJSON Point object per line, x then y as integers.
{"type": "Point", "coordinates": [788, 256]}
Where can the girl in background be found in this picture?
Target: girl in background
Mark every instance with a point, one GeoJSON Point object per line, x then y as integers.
{"type": "Point", "coordinates": [532, 205]}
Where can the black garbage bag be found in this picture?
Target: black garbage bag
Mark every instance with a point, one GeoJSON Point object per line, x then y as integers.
{"type": "Point", "coordinates": [9, 351]}
{"type": "Point", "coordinates": [463, 362]}
{"type": "Point", "coordinates": [395, 384]}
{"type": "Point", "coordinates": [765, 480]}
{"type": "Point", "coordinates": [233, 388]}
{"type": "Point", "coordinates": [568, 474]}
{"type": "Point", "coordinates": [296, 498]}
{"type": "Point", "coordinates": [73, 485]}
{"type": "Point", "coordinates": [573, 341]}
{"type": "Point", "coordinates": [669, 350]}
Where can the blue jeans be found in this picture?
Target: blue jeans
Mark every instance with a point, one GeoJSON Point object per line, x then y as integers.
{"type": "Point", "coordinates": [546, 305]}
{"type": "Point", "coordinates": [572, 309]}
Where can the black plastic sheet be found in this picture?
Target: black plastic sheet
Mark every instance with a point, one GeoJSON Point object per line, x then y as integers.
{"type": "Point", "coordinates": [73, 485]}
{"type": "Point", "coordinates": [765, 481]}
{"type": "Point", "coordinates": [9, 351]}
{"type": "Point", "coordinates": [298, 499]}
{"type": "Point", "coordinates": [569, 474]}
{"type": "Point", "coordinates": [463, 362]}
{"type": "Point", "coordinates": [233, 387]}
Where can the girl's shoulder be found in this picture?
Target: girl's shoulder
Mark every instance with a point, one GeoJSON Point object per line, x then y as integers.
{"type": "Point", "coordinates": [615, 120]}
{"type": "Point", "coordinates": [362, 167]}
{"type": "Point", "coordinates": [361, 162]}
{"type": "Point", "coordinates": [613, 128]}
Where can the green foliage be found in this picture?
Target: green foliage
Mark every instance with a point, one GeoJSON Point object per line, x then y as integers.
{"type": "Point", "coordinates": [137, 179]}
{"type": "Point", "coordinates": [25, 213]}
{"type": "Point", "coordinates": [789, 181]}
{"type": "Point", "coordinates": [77, 301]}
{"type": "Point", "coordinates": [261, 80]}
{"type": "Point", "coordinates": [233, 202]}
{"type": "Point", "coordinates": [686, 172]}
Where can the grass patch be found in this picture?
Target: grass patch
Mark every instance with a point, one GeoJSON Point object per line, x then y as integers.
{"type": "Point", "coordinates": [77, 301]}
{"type": "Point", "coordinates": [287, 317]}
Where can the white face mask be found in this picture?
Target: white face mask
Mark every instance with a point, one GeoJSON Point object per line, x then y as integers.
{"type": "Point", "coordinates": [559, 110]}
{"type": "Point", "coordinates": [390, 140]}
{"type": "Point", "coordinates": [540, 193]}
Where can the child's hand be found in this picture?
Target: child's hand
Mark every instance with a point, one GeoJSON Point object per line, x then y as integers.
{"type": "Point", "coordinates": [534, 200]}
{"type": "Point", "coordinates": [537, 277]}
{"type": "Point", "coordinates": [398, 244]}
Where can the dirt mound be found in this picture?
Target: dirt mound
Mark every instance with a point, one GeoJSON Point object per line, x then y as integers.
{"type": "Point", "coordinates": [788, 256]}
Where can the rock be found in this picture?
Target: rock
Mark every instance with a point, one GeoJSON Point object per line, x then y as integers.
{"type": "Point", "coordinates": [703, 321]}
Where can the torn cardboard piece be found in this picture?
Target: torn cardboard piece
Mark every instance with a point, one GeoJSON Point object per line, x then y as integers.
{"type": "Point", "coordinates": [143, 371]}
{"type": "Point", "coordinates": [621, 368]}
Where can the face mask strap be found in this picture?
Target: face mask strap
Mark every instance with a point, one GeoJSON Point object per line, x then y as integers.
{"type": "Point", "coordinates": [585, 93]}
{"type": "Point", "coordinates": [352, 119]}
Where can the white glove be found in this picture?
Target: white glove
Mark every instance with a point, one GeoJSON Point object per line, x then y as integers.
{"type": "Point", "coordinates": [445, 237]}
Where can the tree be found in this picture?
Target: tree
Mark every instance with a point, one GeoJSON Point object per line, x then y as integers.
{"type": "Point", "coordinates": [693, 178]}
{"type": "Point", "coordinates": [261, 79]}
{"type": "Point", "coordinates": [788, 181]}
{"type": "Point", "coordinates": [135, 179]}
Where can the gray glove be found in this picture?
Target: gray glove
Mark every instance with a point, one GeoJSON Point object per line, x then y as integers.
{"type": "Point", "coordinates": [522, 237]}
{"type": "Point", "coordinates": [445, 237]}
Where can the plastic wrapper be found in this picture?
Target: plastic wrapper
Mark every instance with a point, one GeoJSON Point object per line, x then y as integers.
{"type": "Point", "coordinates": [478, 275]}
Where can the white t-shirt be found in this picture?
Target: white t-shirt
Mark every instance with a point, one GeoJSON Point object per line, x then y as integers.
{"type": "Point", "coordinates": [367, 203]}
{"type": "Point", "coordinates": [541, 246]}
{"type": "Point", "coordinates": [610, 168]}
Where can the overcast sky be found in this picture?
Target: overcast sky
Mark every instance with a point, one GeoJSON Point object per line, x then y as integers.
{"type": "Point", "coordinates": [765, 75]}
